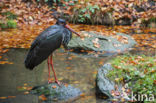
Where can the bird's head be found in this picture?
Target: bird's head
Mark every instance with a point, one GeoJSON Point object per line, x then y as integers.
{"type": "Point", "coordinates": [63, 23]}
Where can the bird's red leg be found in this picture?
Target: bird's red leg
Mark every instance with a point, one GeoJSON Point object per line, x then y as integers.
{"type": "Point", "coordinates": [56, 80]}
{"type": "Point", "coordinates": [48, 62]}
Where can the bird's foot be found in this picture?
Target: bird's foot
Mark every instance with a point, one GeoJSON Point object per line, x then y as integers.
{"type": "Point", "coordinates": [49, 82]}
{"type": "Point", "coordinates": [56, 81]}
{"type": "Point", "coordinates": [59, 83]}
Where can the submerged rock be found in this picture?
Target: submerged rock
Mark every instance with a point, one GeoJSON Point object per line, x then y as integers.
{"type": "Point", "coordinates": [94, 41]}
{"type": "Point", "coordinates": [54, 92]}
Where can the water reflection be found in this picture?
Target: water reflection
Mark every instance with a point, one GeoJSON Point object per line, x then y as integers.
{"type": "Point", "coordinates": [79, 71]}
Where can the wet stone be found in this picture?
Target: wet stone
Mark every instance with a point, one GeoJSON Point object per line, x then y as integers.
{"type": "Point", "coordinates": [103, 85]}
{"type": "Point", "coordinates": [106, 43]}
{"type": "Point", "coordinates": [54, 92]}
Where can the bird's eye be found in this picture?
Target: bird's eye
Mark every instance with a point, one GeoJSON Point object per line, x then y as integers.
{"type": "Point", "coordinates": [62, 23]}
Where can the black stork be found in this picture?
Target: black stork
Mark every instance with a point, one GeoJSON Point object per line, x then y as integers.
{"type": "Point", "coordinates": [46, 43]}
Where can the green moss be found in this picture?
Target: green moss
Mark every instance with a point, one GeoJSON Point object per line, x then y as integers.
{"type": "Point", "coordinates": [8, 24]}
{"type": "Point", "coordinates": [138, 71]}
{"type": "Point", "coordinates": [11, 24]}
{"type": "Point", "coordinates": [153, 19]}
{"type": "Point", "coordinates": [85, 14]}
{"type": "Point", "coordinates": [3, 25]}
{"type": "Point", "coordinates": [9, 21]}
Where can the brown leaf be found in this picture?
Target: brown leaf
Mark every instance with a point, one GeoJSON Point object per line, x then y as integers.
{"type": "Point", "coordinates": [42, 97]}
{"type": "Point", "coordinates": [3, 97]}
{"type": "Point", "coordinates": [54, 86]}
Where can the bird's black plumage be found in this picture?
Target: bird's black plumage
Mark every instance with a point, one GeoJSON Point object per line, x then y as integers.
{"type": "Point", "coordinates": [47, 42]}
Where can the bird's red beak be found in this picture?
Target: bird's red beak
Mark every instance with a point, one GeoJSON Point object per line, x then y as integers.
{"type": "Point", "coordinates": [72, 30]}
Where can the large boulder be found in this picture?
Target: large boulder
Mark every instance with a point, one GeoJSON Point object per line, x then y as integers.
{"type": "Point", "coordinates": [94, 41]}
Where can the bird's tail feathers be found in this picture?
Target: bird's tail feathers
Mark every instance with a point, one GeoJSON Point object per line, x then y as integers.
{"type": "Point", "coordinates": [29, 62]}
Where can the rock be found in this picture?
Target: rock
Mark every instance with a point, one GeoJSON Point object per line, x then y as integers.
{"type": "Point", "coordinates": [54, 92]}
{"type": "Point", "coordinates": [103, 85]}
{"type": "Point", "coordinates": [105, 43]}
{"type": "Point", "coordinates": [124, 21]}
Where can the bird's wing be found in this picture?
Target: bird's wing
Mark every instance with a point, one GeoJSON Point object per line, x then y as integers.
{"type": "Point", "coordinates": [48, 33]}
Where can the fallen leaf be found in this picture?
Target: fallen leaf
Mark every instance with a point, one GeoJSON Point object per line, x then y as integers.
{"type": "Point", "coordinates": [26, 92]}
{"type": "Point", "coordinates": [25, 84]}
{"type": "Point", "coordinates": [68, 67]}
{"type": "Point", "coordinates": [42, 97]}
{"type": "Point", "coordinates": [95, 72]}
{"type": "Point", "coordinates": [82, 95]}
{"type": "Point", "coordinates": [66, 85]}
{"type": "Point", "coordinates": [3, 97]}
{"type": "Point", "coordinates": [76, 82]}
{"type": "Point", "coordinates": [11, 96]}
{"type": "Point", "coordinates": [54, 86]}
{"type": "Point", "coordinates": [29, 88]}
{"type": "Point", "coordinates": [101, 62]}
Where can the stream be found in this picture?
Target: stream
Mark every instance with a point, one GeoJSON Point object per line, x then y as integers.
{"type": "Point", "coordinates": [78, 71]}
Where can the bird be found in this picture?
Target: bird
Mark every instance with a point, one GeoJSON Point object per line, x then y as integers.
{"type": "Point", "coordinates": [46, 43]}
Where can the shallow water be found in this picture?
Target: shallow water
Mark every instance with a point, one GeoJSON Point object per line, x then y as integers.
{"type": "Point", "coordinates": [76, 70]}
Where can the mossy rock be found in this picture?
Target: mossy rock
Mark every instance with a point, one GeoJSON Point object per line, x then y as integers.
{"type": "Point", "coordinates": [105, 86]}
